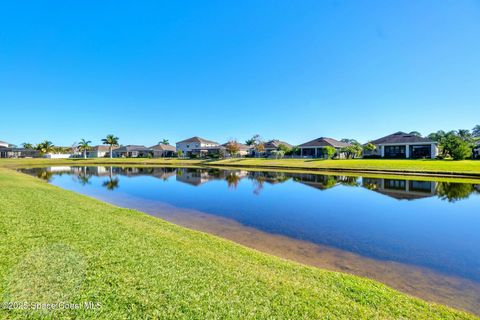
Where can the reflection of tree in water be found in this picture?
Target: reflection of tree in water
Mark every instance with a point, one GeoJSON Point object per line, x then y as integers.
{"type": "Point", "coordinates": [260, 178]}
{"type": "Point", "coordinates": [454, 191]}
{"type": "Point", "coordinates": [45, 175]}
{"type": "Point", "coordinates": [83, 176]}
{"type": "Point", "coordinates": [233, 180]}
{"type": "Point", "coordinates": [111, 184]}
{"type": "Point", "coordinates": [349, 181]}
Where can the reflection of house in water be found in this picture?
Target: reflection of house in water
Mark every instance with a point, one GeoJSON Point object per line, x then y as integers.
{"type": "Point", "coordinates": [194, 177]}
{"type": "Point", "coordinates": [323, 182]}
{"type": "Point", "coordinates": [161, 173]}
{"type": "Point", "coordinates": [401, 189]}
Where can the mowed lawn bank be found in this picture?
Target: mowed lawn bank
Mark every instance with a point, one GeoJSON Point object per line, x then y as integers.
{"type": "Point", "coordinates": [60, 246]}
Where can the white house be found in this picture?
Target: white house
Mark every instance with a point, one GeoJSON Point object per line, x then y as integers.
{"type": "Point", "coordinates": [196, 146]}
{"type": "Point", "coordinates": [99, 152]}
{"type": "Point", "coordinates": [401, 145]}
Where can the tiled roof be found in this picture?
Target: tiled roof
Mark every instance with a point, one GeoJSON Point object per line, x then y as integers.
{"type": "Point", "coordinates": [274, 144]}
{"type": "Point", "coordinates": [131, 148]}
{"type": "Point", "coordinates": [401, 137]}
{"type": "Point", "coordinates": [324, 142]}
{"type": "Point", "coordinates": [164, 147]}
{"type": "Point", "coordinates": [199, 140]}
{"type": "Point", "coordinates": [240, 145]}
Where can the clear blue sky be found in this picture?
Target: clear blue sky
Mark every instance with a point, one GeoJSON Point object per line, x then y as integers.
{"type": "Point", "coordinates": [292, 70]}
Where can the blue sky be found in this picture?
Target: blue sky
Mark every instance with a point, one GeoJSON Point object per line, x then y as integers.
{"type": "Point", "coordinates": [292, 70]}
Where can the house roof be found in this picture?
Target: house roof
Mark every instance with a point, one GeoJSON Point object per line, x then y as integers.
{"type": "Point", "coordinates": [324, 142]}
{"type": "Point", "coordinates": [198, 139]}
{"type": "Point", "coordinates": [240, 145]}
{"type": "Point", "coordinates": [3, 142]}
{"type": "Point", "coordinates": [274, 144]}
{"type": "Point", "coordinates": [103, 148]}
{"type": "Point", "coordinates": [401, 137]}
{"type": "Point", "coordinates": [164, 147]}
{"type": "Point", "coordinates": [131, 148]}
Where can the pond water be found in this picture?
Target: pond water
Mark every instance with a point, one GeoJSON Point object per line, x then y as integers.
{"type": "Point", "coordinates": [418, 236]}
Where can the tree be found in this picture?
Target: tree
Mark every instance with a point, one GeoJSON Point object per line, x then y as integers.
{"type": "Point", "coordinates": [350, 141]}
{"type": "Point", "coordinates": [370, 147]}
{"type": "Point", "coordinates": [456, 147]}
{"type": "Point", "coordinates": [180, 153]}
{"type": "Point", "coordinates": [27, 145]}
{"type": "Point", "coordinates": [253, 141]}
{"type": "Point", "coordinates": [164, 142]}
{"type": "Point", "coordinates": [476, 131]}
{"type": "Point", "coordinates": [260, 148]}
{"type": "Point", "coordinates": [329, 152]}
{"type": "Point", "coordinates": [284, 148]}
{"type": "Point", "coordinates": [112, 141]}
{"type": "Point", "coordinates": [415, 133]}
{"type": "Point", "coordinates": [84, 146]}
{"type": "Point", "coordinates": [45, 146]}
{"type": "Point", "coordinates": [278, 154]}
{"type": "Point", "coordinates": [232, 147]}
{"type": "Point", "coordinates": [352, 151]}
{"type": "Point", "coordinates": [465, 135]}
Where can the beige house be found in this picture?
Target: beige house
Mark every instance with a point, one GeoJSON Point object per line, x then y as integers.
{"type": "Point", "coordinates": [316, 148]}
{"type": "Point", "coordinates": [163, 150]}
{"type": "Point", "coordinates": [197, 146]}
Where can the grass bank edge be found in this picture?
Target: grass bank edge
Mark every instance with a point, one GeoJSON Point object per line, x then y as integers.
{"type": "Point", "coordinates": [367, 297]}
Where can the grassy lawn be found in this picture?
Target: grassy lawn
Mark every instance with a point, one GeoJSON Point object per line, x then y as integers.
{"type": "Point", "coordinates": [61, 246]}
{"type": "Point", "coordinates": [468, 167]}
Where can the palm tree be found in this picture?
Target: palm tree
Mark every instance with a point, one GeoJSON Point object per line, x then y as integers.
{"type": "Point", "coordinates": [476, 131]}
{"type": "Point", "coordinates": [112, 141]}
{"type": "Point", "coordinates": [45, 146]}
{"type": "Point", "coordinates": [27, 145]}
{"type": "Point", "coordinates": [84, 145]}
{"type": "Point", "coordinates": [164, 141]}
{"type": "Point", "coordinates": [415, 133]}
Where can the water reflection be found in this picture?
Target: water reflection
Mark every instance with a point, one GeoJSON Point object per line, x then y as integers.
{"type": "Point", "coordinates": [418, 235]}
{"type": "Point", "coordinates": [401, 189]}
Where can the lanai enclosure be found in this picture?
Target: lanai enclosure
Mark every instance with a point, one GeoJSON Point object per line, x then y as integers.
{"type": "Point", "coordinates": [401, 145]}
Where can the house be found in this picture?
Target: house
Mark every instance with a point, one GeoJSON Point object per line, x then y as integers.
{"type": "Point", "coordinates": [402, 145]}
{"type": "Point", "coordinates": [4, 144]}
{"type": "Point", "coordinates": [11, 152]}
{"type": "Point", "coordinates": [197, 146]}
{"type": "Point", "coordinates": [270, 146]}
{"type": "Point", "coordinates": [243, 151]}
{"type": "Point", "coordinates": [132, 151]}
{"type": "Point", "coordinates": [316, 148]}
{"type": "Point", "coordinates": [100, 152]}
{"type": "Point", "coordinates": [163, 150]}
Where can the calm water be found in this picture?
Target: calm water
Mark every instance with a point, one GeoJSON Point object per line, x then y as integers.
{"type": "Point", "coordinates": [394, 230]}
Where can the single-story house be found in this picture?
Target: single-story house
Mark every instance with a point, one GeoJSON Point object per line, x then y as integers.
{"type": "Point", "coordinates": [132, 151]}
{"type": "Point", "coordinates": [163, 150]}
{"type": "Point", "coordinates": [100, 151]}
{"type": "Point", "coordinates": [244, 150]}
{"type": "Point", "coordinates": [9, 152]}
{"type": "Point", "coordinates": [401, 189]}
{"type": "Point", "coordinates": [401, 145]}
{"type": "Point", "coordinates": [270, 146]}
{"type": "Point", "coordinates": [316, 148]}
{"type": "Point", "coordinates": [197, 146]}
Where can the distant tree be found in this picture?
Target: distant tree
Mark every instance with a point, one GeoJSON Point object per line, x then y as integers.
{"type": "Point", "coordinates": [456, 147]}
{"type": "Point", "coordinates": [278, 154]}
{"type": "Point", "coordinates": [416, 133]}
{"type": "Point", "coordinates": [164, 142]}
{"type": "Point", "coordinates": [370, 147]}
{"type": "Point", "coordinates": [284, 148]}
{"type": "Point", "coordinates": [352, 151]}
{"type": "Point", "coordinates": [476, 131]}
{"type": "Point", "coordinates": [179, 153]}
{"type": "Point", "coordinates": [84, 146]}
{"type": "Point", "coordinates": [253, 141]}
{"type": "Point", "coordinates": [45, 147]}
{"type": "Point", "coordinates": [260, 148]}
{"type": "Point", "coordinates": [465, 135]}
{"type": "Point", "coordinates": [111, 141]}
{"type": "Point", "coordinates": [350, 141]}
{"type": "Point", "coordinates": [233, 148]}
{"type": "Point", "coordinates": [27, 145]}
{"type": "Point", "coordinates": [293, 151]}
{"type": "Point", "coordinates": [329, 152]}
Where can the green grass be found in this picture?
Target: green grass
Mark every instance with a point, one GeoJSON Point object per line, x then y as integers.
{"type": "Point", "coordinates": [465, 167]}
{"type": "Point", "coordinates": [61, 246]}
{"type": "Point", "coordinates": [469, 168]}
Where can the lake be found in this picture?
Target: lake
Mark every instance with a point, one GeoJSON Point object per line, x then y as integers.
{"type": "Point", "coordinates": [417, 235]}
